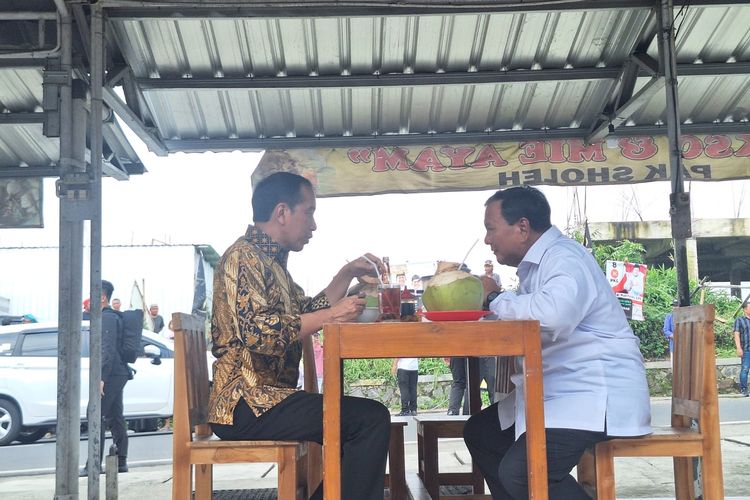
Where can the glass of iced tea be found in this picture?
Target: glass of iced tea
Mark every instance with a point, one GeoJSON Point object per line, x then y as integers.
{"type": "Point", "coordinates": [390, 301]}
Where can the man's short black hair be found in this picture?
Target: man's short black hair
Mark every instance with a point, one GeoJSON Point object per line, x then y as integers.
{"type": "Point", "coordinates": [107, 289]}
{"type": "Point", "coordinates": [281, 187]}
{"type": "Point", "coordinates": [524, 201]}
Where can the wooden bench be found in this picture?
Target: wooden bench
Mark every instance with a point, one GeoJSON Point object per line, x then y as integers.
{"type": "Point", "coordinates": [395, 478]}
{"type": "Point", "coordinates": [429, 430]}
{"type": "Point", "coordinates": [194, 443]}
{"type": "Point", "coordinates": [434, 427]}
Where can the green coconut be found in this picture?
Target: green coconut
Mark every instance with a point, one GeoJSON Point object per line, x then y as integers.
{"type": "Point", "coordinates": [453, 291]}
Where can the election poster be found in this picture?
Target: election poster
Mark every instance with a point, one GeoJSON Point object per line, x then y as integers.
{"type": "Point", "coordinates": [628, 282]}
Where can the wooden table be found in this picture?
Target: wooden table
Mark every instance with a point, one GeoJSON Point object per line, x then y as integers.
{"type": "Point", "coordinates": [428, 340]}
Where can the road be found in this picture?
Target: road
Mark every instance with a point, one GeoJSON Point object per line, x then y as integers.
{"type": "Point", "coordinates": [155, 448]}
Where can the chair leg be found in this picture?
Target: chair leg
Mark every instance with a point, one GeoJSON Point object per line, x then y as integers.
{"type": "Point", "coordinates": [204, 481]}
{"type": "Point", "coordinates": [288, 472]}
{"type": "Point", "coordinates": [712, 475]}
{"type": "Point", "coordinates": [684, 479]}
{"type": "Point", "coordinates": [182, 479]}
{"type": "Point", "coordinates": [396, 467]}
{"type": "Point", "coordinates": [586, 472]}
{"type": "Point", "coordinates": [605, 472]}
{"type": "Point", "coordinates": [431, 477]}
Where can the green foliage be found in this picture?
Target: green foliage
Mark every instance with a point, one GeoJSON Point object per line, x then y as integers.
{"type": "Point", "coordinates": [380, 369]}
{"type": "Point", "coordinates": [625, 251]}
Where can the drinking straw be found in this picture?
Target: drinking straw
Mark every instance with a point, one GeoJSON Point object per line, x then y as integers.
{"type": "Point", "coordinates": [467, 254]}
{"type": "Point", "coordinates": [375, 266]}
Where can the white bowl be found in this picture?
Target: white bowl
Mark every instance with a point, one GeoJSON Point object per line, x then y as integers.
{"type": "Point", "coordinates": [369, 315]}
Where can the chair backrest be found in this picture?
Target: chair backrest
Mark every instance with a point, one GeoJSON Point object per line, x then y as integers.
{"type": "Point", "coordinates": [191, 365]}
{"type": "Point", "coordinates": [694, 392]}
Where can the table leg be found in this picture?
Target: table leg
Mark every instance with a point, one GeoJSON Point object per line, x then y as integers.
{"type": "Point", "coordinates": [332, 381]}
{"type": "Point", "coordinates": [536, 444]}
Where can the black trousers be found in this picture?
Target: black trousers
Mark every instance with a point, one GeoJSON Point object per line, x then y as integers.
{"type": "Point", "coordinates": [502, 459]}
{"type": "Point", "coordinates": [407, 387]}
{"type": "Point", "coordinates": [365, 433]}
{"type": "Point", "coordinates": [458, 366]}
{"type": "Point", "coordinates": [113, 415]}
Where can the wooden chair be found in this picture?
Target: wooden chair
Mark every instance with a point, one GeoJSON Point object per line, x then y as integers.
{"type": "Point", "coordinates": [694, 397]}
{"type": "Point", "coordinates": [299, 463]}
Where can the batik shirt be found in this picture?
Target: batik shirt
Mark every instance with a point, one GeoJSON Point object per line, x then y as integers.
{"type": "Point", "coordinates": [255, 327]}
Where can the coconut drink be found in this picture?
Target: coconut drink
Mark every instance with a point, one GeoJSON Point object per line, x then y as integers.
{"type": "Point", "coordinates": [453, 290]}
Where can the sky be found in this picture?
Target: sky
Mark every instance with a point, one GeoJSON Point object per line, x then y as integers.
{"type": "Point", "coordinates": [205, 199]}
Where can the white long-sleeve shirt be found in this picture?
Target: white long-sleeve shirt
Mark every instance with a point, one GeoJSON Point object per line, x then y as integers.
{"type": "Point", "coordinates": [592, 367]}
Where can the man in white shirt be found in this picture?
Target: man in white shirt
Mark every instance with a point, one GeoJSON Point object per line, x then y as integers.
{"type": "Point", "coordinates": [594, 377]}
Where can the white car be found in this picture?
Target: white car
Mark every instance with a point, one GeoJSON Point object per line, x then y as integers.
{"type": "Point", "coordinates": [28, 381]}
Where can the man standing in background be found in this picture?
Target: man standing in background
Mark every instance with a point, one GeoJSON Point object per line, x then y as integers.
{"type": "Point", "coordinates": [742, 342]}
{"type": "Point", "coordinates": [156, 319]}
{"type": "Point", "coordinates": [115, 374]}
{"type": "Point", "coordinates": [489, 271]}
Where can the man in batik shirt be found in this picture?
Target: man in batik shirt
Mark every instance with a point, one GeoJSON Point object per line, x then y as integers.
{"type": "Point", "coordinates": [260, 316]}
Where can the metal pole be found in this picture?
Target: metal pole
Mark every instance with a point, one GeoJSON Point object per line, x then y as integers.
{"type": "Point", "coordinates": [95, 175]}
{"type": "Point", "coordinates": [69, 301]}
{"type": "Point", "coordinates": [679, 200]}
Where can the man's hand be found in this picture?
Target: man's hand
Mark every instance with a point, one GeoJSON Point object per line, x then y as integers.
{"type": "Point", "coordinates": [361, 267]}
{"type": "Point", "coordinates": [347, 309]}
{"type": "Point", "coordinates": [101, 388]}
{"type": "Point", "coordinates": [489, 286]}
{"type": "Point", "coordinates": [740, 352]}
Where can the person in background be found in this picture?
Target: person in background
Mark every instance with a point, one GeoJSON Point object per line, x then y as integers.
{"type": "Point", "coordinates": [742, 343]}
{"type": "Point", "coordinates": [669, 327]}
{"type": "Point", "coordinates": [156, 318]}
{"type": "Point", "coordinates": [115, 374]}
{"type": "Point", "coordinates": [116, 304]}
{"type": "Point", "coordinates": [406, 371]}
{"type": "Point", "coordinates": [416, 283]}
{"type": "Point", "coordinates": [86, 315]}
{"type": "Point", "coordinates": [401, 280]}
{"type": "Point", "coordinates": [260, 318]}
{"type": "Point", "coordinates": [490, 273]}
{"type": "Point", "coordinates": [459, 390]}
{"type": "Point", "coordinates": [593, 371]}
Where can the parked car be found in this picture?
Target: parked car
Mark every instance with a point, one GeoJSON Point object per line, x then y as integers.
{"type": "Point", "coordinates": [28, 381]}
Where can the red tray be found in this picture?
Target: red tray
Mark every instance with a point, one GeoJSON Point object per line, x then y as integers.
{"type": "Point", "coordinates": [455, 315]}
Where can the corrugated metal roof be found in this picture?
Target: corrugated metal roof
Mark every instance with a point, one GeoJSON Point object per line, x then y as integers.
{"type": "Point", "coordinates": [175, 52]}
{"type": "Point", "coordinates": [209, 114]}
{"type": "Point", "coordinates": [26, 145]}
{"type": "Point", "coordinates": [160, 48]}
{"type": "Point", "coordinates": [22, 141]}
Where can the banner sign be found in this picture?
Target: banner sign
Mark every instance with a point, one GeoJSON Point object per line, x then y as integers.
{"type": "Point", "coordinates": [21, 203]}
{"type": "Point", "coordinates": [628, 281]}
{"type": "Point", "coordinates": [560, 162]}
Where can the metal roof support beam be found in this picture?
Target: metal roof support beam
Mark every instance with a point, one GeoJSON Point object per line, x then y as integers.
{"type": "Point", "coordinates": [679, 201]}
{"type": "Point", "coordinates": [459, 78]}
{"type": "Point", "coordinates": [70, 285]}
{"type": "Point", "coordinates": [94, 409]}
{"type": "Point", "coordinates": [625, 111]}
{"type": "Point", "coordinates": [391, 80]}
{"type": "Point", "coordinates": [130, 9]}
{"type": "Point", "coordinates": [650, 65]}
{"type": "Point", "coordinates": [621, 93]}
{"type": "Point", "coordinates": [127, 115]}
{"type": "Point", "coordinates": [202, 145]}
{"type": "Point", "coordinates": [34, 171]}
{"type": "Point", "coordinates": [22, 118]}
